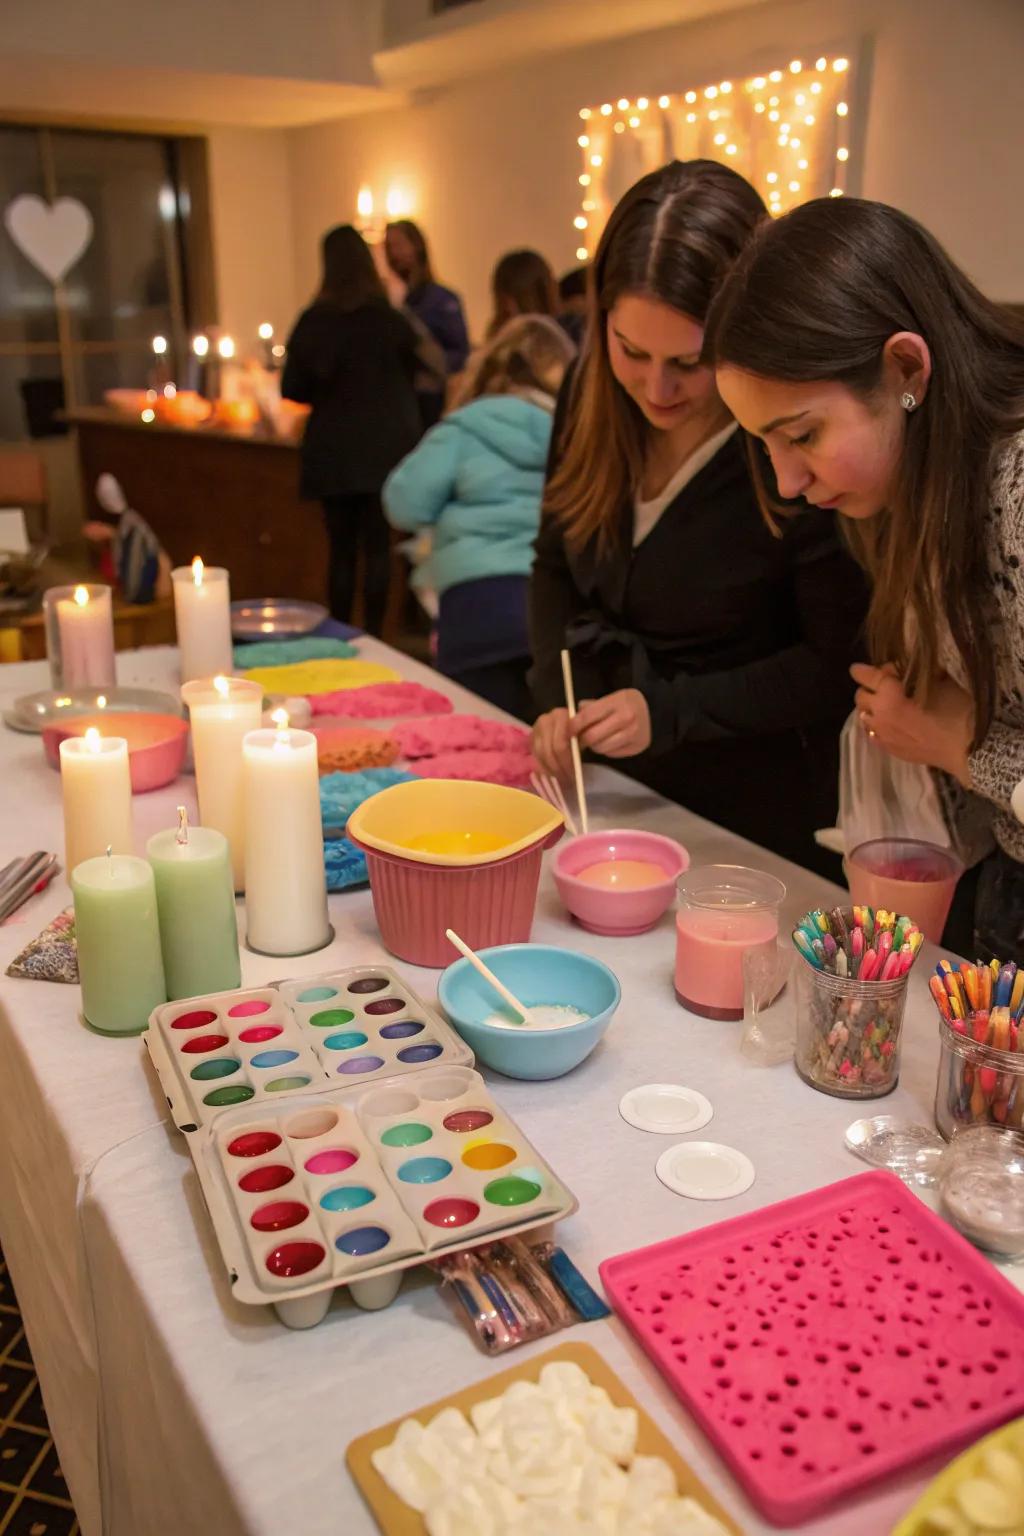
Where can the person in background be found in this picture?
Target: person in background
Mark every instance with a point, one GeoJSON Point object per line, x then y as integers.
{"type": "Point", "coordinates": [437, 307]}
{"type": "Point", "coordinates": [352, 357]}
{"type": "Point", "coordinates": [522, 283]}
{"type": "Point", "coordinates": [883, 384]}
{"type": "Point", "coordinates": [476, 480]}
{"type": "Point", "coordinates": [711, 653]}
{"type": "Point", "coordinates": [572, 303]}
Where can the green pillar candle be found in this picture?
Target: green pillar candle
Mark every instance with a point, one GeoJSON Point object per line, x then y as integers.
{"type": "Point", "coordinates": [119, 962]}
{"type": "Point", "coordinates": [195, 892]}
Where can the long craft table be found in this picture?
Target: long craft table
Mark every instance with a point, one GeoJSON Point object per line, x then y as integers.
{"type": "Point", "coordinates": [177, 1410]}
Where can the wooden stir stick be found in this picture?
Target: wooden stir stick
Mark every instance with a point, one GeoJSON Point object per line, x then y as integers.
{"type": "Point", "coordinates": [488, 975]}
{"type": "Point", "coordinates": [577, 761]}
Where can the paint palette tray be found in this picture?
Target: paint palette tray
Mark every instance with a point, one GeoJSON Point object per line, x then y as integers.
{"type": "Point", "coordinates": [254, 1045]}
{"type": "Point", "coordinates": [829, 1340]}
{"type": "Point", "coordinates": [352, 1186]}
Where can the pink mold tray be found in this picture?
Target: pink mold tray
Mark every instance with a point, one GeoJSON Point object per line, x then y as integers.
{"type": "Point", "coordinates": [829, 1340]}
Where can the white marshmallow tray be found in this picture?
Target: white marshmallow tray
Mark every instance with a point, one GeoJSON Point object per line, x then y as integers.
{"type": "Point", "coordinates": [261, 1044]}
{"type": "Point", "coordinates": [351, 1186]}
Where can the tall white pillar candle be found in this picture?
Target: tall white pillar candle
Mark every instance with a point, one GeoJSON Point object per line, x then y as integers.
{"type": "Point", "coordinates": [285, 882]}
{"type": "Point", "coordinates": [79, 625]}
{"type": "Point", "coordinates": [222, 711]}
{"type": "Point", "coordinates": [202, 615]}
{"type": "Point", "coordinates": [97, 791]}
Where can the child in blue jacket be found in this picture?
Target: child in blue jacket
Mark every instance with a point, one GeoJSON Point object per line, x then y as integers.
{"type": "Point", "coordinates": [476, 480]}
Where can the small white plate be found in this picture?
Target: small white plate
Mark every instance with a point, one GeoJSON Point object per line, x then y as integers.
{"type": "Point", "coordinates": [705, 1170]}
{"type": "Point", "coordinates": [666, 1108]}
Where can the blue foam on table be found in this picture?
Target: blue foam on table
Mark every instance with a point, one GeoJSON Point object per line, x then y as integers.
{"type": "Point", "coordinates": [281, 653]}
{"type": "Point", "coordinates": [340, 794]}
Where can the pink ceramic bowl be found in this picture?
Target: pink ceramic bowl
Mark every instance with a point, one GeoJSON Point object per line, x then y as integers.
{"type": "Point", "coordinates": [617, 910]}
{"type": "Point", "coordinates": [156, 743]}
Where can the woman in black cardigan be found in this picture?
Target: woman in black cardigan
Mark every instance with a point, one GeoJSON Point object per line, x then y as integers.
{"type": "Point", "coordinates": [712, 649]}
{"type": "Point", "coordinates": [352, 357]}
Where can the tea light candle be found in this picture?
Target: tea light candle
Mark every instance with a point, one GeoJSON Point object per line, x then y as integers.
{"type": "Point", "coordinates": [196, 903]}
{"type": "Point", "coordinates": [82, 644]}
{"type": "Point", "coordinates": [97, 790]}
{"type": "Point", "coordinates": [202, 615]}
{"type": "Point", "coordinates": [223, 710]}
{"type": "Point", "coordinates": [285, 882]}
{"type": "Point", "coordinates": [118, 936]}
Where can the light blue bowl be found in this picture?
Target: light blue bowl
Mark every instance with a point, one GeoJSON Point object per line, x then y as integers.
{"type": "Point", "coordinates": [535, 973]}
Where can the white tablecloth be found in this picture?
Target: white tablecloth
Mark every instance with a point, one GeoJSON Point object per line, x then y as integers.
{"type": "Point", "coordinates": [176, 1410]}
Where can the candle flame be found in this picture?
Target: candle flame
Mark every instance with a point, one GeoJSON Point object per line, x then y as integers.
{"type": "Point", "coordinates": [266, 331]}
{"type": "Point", "coordinates": [222, 686]}
{"type": "Point", "coordinates": [197, 571]}
{"type": "Point", "coordinates": [226, 347]}
{"type": "Point", "coordinates": [101, 701]}
{"type": "Point", "coordinates": [159, 345]}
{"type": "Point", "coordinates": [170, 390]}
{"type": "Point", "coordinates": [59, 704]}
{"type": "Point", "coordinates": [93, 739]}
{"type": "Point", "coordinates": [149, 414]}
{"type": "Point", "coordinates": [81, 596]}
{"type": "Point", "coordinates": [280, 719]}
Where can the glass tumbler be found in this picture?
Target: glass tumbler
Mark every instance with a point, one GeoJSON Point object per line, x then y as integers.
{"type": "Point", "coordinates": [848, 1032]}
{"type": "Point", "coordinates": [725, 912]}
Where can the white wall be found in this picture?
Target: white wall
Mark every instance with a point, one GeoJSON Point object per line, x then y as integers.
{"type": "Point", "coordinates": [492, 161]}
{"type": "Point", "coordinates": [253, 249]}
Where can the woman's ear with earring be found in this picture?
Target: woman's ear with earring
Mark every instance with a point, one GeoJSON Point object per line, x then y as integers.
{"type": "Point", "coordinates": [908, 401]}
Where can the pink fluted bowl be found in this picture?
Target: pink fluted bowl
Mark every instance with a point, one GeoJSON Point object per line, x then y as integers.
{"type": "Point", "coordinates": [618, 911]}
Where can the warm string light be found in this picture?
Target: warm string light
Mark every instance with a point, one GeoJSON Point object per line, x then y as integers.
{"type": "Point", "coordinates": [722, 118]}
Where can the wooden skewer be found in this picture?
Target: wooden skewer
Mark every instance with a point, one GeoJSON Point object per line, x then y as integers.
{"type": "Point", "coordinates": [577, 761]}
{"type": "Point", "coordinates": [561, 804]}
{"type": "Point", "coordinates": [488, 975]}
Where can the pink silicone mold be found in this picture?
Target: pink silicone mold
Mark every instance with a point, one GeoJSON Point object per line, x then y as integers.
{"type": "Point", "coordinates": [828, 1340]}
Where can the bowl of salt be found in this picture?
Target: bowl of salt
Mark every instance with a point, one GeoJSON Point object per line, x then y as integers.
{"type": "Point", "coordinates": [570, 999]}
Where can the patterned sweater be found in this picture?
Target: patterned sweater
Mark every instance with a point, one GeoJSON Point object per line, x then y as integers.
{"type": "Point", "coordinates": [997, 766]}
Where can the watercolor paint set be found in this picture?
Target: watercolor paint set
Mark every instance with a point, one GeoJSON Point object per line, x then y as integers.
{"type": "Point", "coordinates": [351, 1186]}
{"type": "Point", "coordinates": [259, 1044]}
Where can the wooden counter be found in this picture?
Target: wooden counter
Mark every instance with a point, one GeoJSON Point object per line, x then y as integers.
{"type": "Point", "coordinates": [231, 496]}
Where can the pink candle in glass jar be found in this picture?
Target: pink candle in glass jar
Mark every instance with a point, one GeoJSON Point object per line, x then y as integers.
{"type": "Point", "coordinates": [725, 910]}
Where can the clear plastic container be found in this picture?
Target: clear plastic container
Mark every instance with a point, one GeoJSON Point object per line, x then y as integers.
{"type": "Point", "coordinates": [725, 911]}
{"type": "Point", "coordinates": [848, 1032]}
{"type": "Point", "coordinates": [905, 875]}
{"type": "Point", "coordinates": [982, 1188]}
{"type": "Point", "coordinates": [977, 1085]}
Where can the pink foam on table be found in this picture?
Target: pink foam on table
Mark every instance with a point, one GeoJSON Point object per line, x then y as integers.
{"type": "Point", "coordinates": [512, 769]}
{"type": "Point", "coordinates": [381, 701]}
{"type": "Point", "coordinates": [827, 1341]}
{"type": "Point", "coordinates": [456, 733]}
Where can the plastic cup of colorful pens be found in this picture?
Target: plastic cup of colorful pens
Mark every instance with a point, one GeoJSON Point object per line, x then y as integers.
{"type": "Point", "coordinates": [981, 1065]}
{"type": "Point", "coordinates": [851, 991]}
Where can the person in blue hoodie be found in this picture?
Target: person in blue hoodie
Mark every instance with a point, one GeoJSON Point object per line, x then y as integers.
{"type": "Point", "coordinates": [476, 481]}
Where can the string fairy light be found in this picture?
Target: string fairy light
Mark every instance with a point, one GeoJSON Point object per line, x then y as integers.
{"type": "Point", "coordinates": [727, 119]}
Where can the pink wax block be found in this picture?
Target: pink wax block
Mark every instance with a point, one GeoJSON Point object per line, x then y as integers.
{"type": "Point", "coordinates": [381, 701]}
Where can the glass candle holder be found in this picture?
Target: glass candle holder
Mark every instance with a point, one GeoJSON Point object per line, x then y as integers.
{"type": "Point", "coordinates": [78, 623]}
{"type": "Point", "coordinates": [981, 1184]}
{"type": "Point", "coordinates": [977, 1084]}
{"type": "Point", "coordinates": [725, 911]}
{"type": "Point", "coordinates": [848, 1032]}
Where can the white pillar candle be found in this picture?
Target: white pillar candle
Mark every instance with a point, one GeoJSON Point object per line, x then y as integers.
{"type": "Point", "coordinates": [222, 710]}
{"type": "Point", "coordinates": [285, 882]}
{"type": "Point", "coordinates": [80, 636]}
{"type": "Point", "coordinates": [97, 790]}
{"type": "Point", "coordinates": [202, 615]}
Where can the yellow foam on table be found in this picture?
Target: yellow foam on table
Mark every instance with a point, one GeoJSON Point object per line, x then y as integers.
{"type": "Point", "coordinates": [322, 675]}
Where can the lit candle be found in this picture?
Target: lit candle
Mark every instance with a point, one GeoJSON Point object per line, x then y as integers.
{"type": "Point", "coordinates": [200, 351]}
{"type": "Point", "coordinates": [222, 711]}
{"type": "Point", "coordinates": [196, 902]}
{"type": "Point", "coordinates": [118, 939]}
{"type": "Point", "coordinates": [202, 615]}
{"type": "Point", "coordinates": [81, 645]}
{"type": "Point", "coordinates": [285, 883]}
{"type": "Point", "coordinates": [97, 790]}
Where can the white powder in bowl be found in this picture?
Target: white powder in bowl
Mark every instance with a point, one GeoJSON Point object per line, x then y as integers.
{"type": "Point", "coordinates": [542, 1016]}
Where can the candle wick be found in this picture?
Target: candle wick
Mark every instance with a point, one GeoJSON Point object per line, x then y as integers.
{"type": "Point", "coordinates": [181, 836]}
{"type": "Point", "coordinates": [110, 861]}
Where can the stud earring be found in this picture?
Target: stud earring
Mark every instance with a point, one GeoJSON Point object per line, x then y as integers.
{"type": "Point", "coordinates": [908, 402]}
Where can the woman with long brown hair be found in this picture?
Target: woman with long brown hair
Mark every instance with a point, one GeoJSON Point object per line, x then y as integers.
{"type": "Point", "coordinates": [522, 283]}
{"type": "Point", "coordinates": [711, 649]}
{"type": "Point", "coordinates": [883, 384]}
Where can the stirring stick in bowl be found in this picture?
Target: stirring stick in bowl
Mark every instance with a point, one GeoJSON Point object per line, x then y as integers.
{"type": "Point", "coordinates": [489, 976]}
{"type": "Point", "coordinates": [577, 761]}
{"type": "Point", "coordinates": [550, 790]}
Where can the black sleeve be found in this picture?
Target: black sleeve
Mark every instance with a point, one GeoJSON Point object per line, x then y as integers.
{"type": "Point", "coordinates": [806, 684]}
{"type": "Point", "coordinates": [306, 368]}
{"type": "Point", "coordinates": [554, 598]}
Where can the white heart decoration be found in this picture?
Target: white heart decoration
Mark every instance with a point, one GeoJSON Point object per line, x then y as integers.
{"type": "Point", "coordinates": [51, 236]}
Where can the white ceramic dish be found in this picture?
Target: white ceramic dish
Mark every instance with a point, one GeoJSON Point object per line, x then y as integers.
{"type": "Point", "coordinates": [668, 1109]}
{"type": "Point", "coordinates": [705, 1170]}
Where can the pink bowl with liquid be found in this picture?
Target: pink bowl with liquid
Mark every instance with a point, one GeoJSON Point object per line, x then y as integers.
{"type": "Point", "coordinates": [619, 910]}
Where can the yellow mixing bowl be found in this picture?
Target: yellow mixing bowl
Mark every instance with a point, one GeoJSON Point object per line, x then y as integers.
{"type": "Point", "coordinates": [452, 822]}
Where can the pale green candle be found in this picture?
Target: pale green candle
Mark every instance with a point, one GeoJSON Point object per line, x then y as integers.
{"type": "Point", "coordinates": [195, 895]}
{"type": "Point", "coordinates": [119, 961]}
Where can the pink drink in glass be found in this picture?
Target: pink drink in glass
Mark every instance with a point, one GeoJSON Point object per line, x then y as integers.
{"type": "Point", "coordinates": [724, 911]}
{"type": "Point", "coordinates": [905, 876]}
